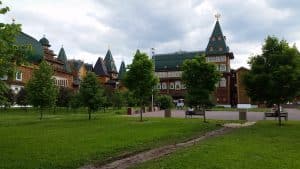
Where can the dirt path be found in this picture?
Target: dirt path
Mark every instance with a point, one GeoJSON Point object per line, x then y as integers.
{"type": "Point", "coordinates": [157, 152]}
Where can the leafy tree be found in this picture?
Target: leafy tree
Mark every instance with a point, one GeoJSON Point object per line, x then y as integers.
{"type": "Point", "coordinates": [75, 101]}
{"type": "Point", "coordinates": [64, 97]}
{"type": "Point", "coordinates": [42, 92]}
{"type": "Point", "coordinates": [118, 99]}
{"type": "Point", "coordinates": [11, 55]}
{"type": "Point", "coordinates": [140, 79]}
{"type": "Point", "coordinates": [274, 77]}
{"type": "Point", "coordinates": [199, 78]}
{"type": "Point", "coordinates": [21, 97]}
{"type": "Point", "coordinates": [91, 93]}
{"type": "Point", "coordinates": [165, 102]}
{"type": "Point", "coordinates": [9, 98]}
{"type": "Point", "coordinates": [129, 99]}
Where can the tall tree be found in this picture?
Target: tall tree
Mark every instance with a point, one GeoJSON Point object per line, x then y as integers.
{"type": "Point", "coordinates": [274, 77]}
{"type": "Point", "coordinates": [21, 97]}
{"type": "Point", "coordinates": [64, 97]}
{"type": "Point", "coordinates": [200, 79]}
{"type": "Point", "coordinates": [11, 54]}
{"type": "Point", "coordinates": [42, 92]}
{"type": "Point", "coordinates": [140, 79]}
{"type": "Point", "coordinates": [91, 93]}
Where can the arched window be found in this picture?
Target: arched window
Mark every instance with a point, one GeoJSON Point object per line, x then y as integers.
{"type": "Point", "coordinates": [172, 86]}
{"type": "Point", "coordinates": [164, 85]}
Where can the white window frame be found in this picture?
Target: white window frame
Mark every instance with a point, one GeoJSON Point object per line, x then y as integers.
{"type": "Point", "coordinates": [21, 76]}
{"type": "Point", "coordinates": [172, 85]}
{"type": "Point", "coordinates": [164, 86]}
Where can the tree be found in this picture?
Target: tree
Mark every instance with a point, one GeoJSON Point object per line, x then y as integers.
{"type": "Point", "coordinates": [200, 79]}
{"type": "Point", "coordinates": [42, 92]}
{"type": "Point", "coordinates": [64, 97]}
{"type": "Point", "coordinates": [21, 97]}
{"type": "Point", "coordinates": [274, 77]}
{"type": "Point", "coordinates": [11, 55]}
{"type": "Point", "coordinates": [117, 99]}
{"type": "Point", "coordinates": [140, 79]}
{"type": "Point", "coordinates": [91, 93]}
{"type": "Point", "coordinates": [165, 102]}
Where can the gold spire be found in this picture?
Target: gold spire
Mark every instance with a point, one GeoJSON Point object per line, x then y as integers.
{"type": "Point", "coordinates": [217, 16]}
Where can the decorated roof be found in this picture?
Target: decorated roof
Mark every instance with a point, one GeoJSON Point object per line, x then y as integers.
{"type": "Point", "coordinates": [217, 42]}
{"type": "Point", "coordinates": [110, 63]}
{"type": "Point", "coordinates": [75, 64]}
{"type": "Point", "coordinates": [173, 61]}
{"type": "Point", "coordinates": [89, 67]}
{"type": "Point", "coordinates": [100, 68]}
{"type": "Point", "coordinates": [122, 71]}
{"type": "Point", "coordinates": [63, 57]}
{"type": "Point", "coordinates": [45, 42]}
{"type": "Point", "coordinates": [37, 53]}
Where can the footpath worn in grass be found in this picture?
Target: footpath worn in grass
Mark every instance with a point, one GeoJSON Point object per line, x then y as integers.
{"type": "Point", "coordinates": [70, 140]}
{"type": "Point", "coordinates": [263, 146]}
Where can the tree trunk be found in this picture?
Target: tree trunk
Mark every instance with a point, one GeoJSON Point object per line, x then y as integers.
{"type": "Point", "coordinates": [141, 114]}
{"type": "Point", "coordinates": [89, 111]}
{"type": "Point", "coordinates": [278, 113]}
{"type": "Point", "coordinates": [204, 116]}
{"type": "Point", "coordinates": [41, 113]}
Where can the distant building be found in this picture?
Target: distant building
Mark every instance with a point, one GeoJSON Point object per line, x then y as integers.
{"type": "Point", "coordinates": [67, 73]}
{"type": "Point", "coordinates": [168, 68]}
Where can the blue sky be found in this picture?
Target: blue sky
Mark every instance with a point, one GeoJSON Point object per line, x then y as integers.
{"type": "Point", "coordinates": [87, 28]}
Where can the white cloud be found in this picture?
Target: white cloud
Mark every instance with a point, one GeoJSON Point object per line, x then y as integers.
{"type": "Point", "coordinates": [87, 28]}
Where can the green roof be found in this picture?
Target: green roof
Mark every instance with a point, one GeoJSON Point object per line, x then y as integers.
{"type": "Point", "coordinates": [109, 62]}
{"type": "Point", "coordinates": [217, 42]}
{"type": "Point", "coordinates": [37, 52]}
{"type": "Point", "coordinates": [173, 61]}
{"type": "Point", "coordinates": [122, 71]}
{"type": "Point", "coordinates": [45, 42]}
{"type": "Point", "coordinates": [63, 57]}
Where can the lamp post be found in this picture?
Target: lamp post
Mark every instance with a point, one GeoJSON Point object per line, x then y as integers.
{"type": "Point", "coordinates": [152, 96]}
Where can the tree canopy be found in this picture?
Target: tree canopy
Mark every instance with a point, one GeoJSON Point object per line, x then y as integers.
{"type": "Point", "coordinates": [11, 54]}
{"type": "Point", "coordinates": [41, 88]}
{"type": "Point", "coordinates": [274, 77]}
{"type": "Point", "coordinates": [91, 93]}
{"type": "Point", "coordinates": [200, 79]}
{"type": "Point", "coordinates": [140, 79]}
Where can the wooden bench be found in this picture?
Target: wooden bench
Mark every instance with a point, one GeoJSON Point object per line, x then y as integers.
{"type": "Point", "coordinates": [194, 113]}
{"type": "Point", "coordinates": [275, 115]}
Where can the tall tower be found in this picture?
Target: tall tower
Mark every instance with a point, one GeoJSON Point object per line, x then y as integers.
{"type": "Point", "coordinates": [110, 65]}
{"type": "Point", "coordinates": [218, 53]}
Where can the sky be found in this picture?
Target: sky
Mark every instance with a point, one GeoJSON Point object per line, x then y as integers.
{"type": "Point", "coordinates": [87, 29]}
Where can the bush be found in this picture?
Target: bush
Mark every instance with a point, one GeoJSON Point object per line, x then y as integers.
{"type": "Point", "coordinates": [165, 102]}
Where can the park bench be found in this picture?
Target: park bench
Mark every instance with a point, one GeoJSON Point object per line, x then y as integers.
{"type": "Point", "coordinates": [194, 113]}
{"type": "Point", "coordinates": [275, 115]}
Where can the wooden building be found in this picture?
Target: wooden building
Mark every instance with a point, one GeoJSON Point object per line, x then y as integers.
{"type": "Point", "coordinates": [168, 68]}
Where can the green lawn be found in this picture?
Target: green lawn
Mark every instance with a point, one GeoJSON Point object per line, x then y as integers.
{"type": "Point", "coordinates": [264, 146]}
{"type": "Point", "coordinates": [70, 140]}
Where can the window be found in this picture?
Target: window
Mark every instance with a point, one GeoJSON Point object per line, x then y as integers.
{"type": "Point", "coordinates": [219, 38]}
{"type": "Point", "coordinates": [183, 86]}
{"type": "Point", "coordinates": [222, 67]}
{"type": "Point", "coordinates": [19, 76]}
{"type": "Point", "coordinates": [223, 82]}
{"type": "Point", "coordinates": [172, 85]}
{"type": "Point", "coordinates": [213, 38]}
{"type": "Point", "coordinates": [220, 49]}
{"type": "Point", "coordinates": [177, 85]}
{"type": "Point", "coordinates": [164, 85]}
{"type": "Point", "coordinates": [158, 86]}
{"type": "Point", "coordinates": [211, 49]}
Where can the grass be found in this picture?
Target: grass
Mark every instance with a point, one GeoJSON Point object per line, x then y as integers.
{"type": "Point", "coordinates": [68, 140]}
{"type": "Point", "coordinates": [264, 146]}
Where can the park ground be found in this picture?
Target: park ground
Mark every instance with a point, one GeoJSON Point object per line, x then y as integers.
{"type": "Point", "coordinates": [69, 140]}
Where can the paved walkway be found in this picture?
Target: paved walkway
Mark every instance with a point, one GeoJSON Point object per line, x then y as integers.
{"type": "Point", "coordinates": [294, 114]}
